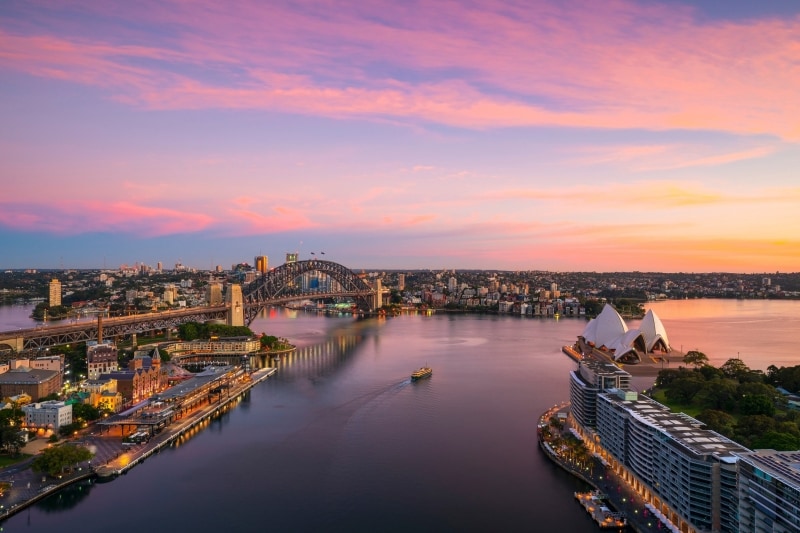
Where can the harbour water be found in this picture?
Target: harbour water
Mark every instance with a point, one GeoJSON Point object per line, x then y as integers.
{"type": "Point", "coordinates": [341, 439]}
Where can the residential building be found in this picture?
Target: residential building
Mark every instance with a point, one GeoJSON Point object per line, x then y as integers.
{"type": "Point", "coordinates": [55, 293]}
{"type": "Point", "coordinates": [769, 492]}
{"type": "Point", "coordinates": [101, 358]}
{"type": "Point", "coordinates": [686, 472]}
{"type": "Point", "coordinates": [590, 379]}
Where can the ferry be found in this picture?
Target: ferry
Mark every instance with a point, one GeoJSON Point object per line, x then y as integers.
{"type": "Point", "coordinates": [424, 372]}
{"type": "Point", "coordinates": [595, 504]}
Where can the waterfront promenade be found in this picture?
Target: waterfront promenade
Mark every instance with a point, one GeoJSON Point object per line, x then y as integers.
{"type": "Point", "coordinates": [598, 475]}
{"type": "Point", "coordinates": [110, 457]}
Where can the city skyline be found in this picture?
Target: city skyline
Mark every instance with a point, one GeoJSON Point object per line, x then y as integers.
{"type": "Point", "coordinates": [566, 136]}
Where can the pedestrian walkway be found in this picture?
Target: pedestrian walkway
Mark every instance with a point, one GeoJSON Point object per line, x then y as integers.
{"type": "Point", "coordinates": [622, 497]}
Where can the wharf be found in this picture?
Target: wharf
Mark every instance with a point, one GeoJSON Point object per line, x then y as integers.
{"type": "Point", "coordinates": [27, 489]}
{"type": "Point", "coordinates": [128, 460]}
{"type": "Point", "coordinates": [638, 516]}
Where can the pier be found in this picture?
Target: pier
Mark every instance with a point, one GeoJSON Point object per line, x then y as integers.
{"type": "Point", "coordinates": [20, 496]}
{"type": "Point", "coordinates": [128, 460]}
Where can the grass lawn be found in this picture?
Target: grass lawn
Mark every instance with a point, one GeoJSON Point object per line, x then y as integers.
{"type": "Point", "coordinates": [7, 460]}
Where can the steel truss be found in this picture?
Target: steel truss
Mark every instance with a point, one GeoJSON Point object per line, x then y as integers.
{"type": "Point", "coordinates": [282, 285]}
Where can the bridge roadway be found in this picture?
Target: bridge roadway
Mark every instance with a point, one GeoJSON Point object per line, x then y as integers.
{"type": "Point", "coordinates": [33, 339]}
{"type": "Point", "coordinates": [278, 286]}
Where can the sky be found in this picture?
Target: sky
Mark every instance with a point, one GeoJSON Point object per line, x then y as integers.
{"type": "Point", "coordinates": [478, 134]}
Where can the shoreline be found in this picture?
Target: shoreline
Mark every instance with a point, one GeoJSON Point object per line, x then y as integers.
{"type": "Point", "coordinates": [124, 462]}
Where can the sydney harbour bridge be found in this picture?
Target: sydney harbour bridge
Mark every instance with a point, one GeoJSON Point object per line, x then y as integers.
{"type": "Point", "coordinates": [286, 283]}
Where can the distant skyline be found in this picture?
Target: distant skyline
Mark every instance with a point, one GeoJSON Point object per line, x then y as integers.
{"type": "Point", "coordinates": [513, 135]}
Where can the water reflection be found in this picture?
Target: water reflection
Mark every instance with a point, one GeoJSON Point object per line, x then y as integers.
{"type": "Point", "coordinates": [318, 360]}
{"type": "Point", "coordinates": [67, 498]}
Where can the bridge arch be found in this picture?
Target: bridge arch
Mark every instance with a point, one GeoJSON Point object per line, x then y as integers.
{"type": "Point", "coordinates": [281, 285]}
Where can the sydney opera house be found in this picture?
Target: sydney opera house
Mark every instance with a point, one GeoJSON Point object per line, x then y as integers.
{"type": "Point", "coordinates": [609, 334]}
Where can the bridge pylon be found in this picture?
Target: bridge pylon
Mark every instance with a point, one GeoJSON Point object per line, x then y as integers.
{"type": "Point", "coordinates": [235, 303]}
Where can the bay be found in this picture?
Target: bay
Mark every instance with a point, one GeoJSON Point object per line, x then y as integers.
{"type": "Point", "coordinates": [341, 439]}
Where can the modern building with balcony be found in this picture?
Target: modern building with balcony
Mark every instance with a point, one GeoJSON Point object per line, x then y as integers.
{"type": "Point", "coordinates": [585, 383]}
{"type": "Point", "coordinates": [686, 472]}
{"type": "Point", "coordinates": [769, 492]}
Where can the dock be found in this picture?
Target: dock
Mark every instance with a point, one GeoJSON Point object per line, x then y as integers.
{"type": "Point", "coordinates": [131, 457]}
{"type": "Point", "coordinates": [572, 353]}
{"type": "Point", "coordinates": [172, 433]}
{"type": "Point", "coordinates": [596, 505]}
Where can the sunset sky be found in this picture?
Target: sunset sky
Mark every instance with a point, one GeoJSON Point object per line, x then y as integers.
{"type": "Point", "coordinates": [494, 134]}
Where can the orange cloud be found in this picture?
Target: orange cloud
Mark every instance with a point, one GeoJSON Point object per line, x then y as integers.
{"type": "Point", "coordinates": [649, 195]}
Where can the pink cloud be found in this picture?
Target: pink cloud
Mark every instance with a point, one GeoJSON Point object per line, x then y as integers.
{"type": "Point", "coordinates": [491, 64]}
{"type": "Point", "coordinates": [71, 218]}
{"type": "Point", "coordinates": [273, 219]}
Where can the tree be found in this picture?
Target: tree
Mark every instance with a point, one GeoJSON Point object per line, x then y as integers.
{"type": "Point", "coordinates": [11, 439]}
{"type": "Point", "coordinates": [750, 427]}
{"type": "Point", "coordinates": [85, 412]}
{"type": "Point", "coordinates": [734, 368]}
{"type": "Point", "coordinates": [718, 421]}
{"type": "Point", "coordinates": [695, 358]}
{"type": "Point", "coordinates": [684, 390]}
{"type": "Point", "coordinates": [775, 440]}
{"type": "Point", "coordinates": [188, 331]}
{"type": "Point", "coordinates": [720, 394]}
{"type": "Point", "coordinates": [57, 459]}
{"type": "Point", "coordinates": [756, 404]}
{"type": "Point", "coordinates": [268, 341]}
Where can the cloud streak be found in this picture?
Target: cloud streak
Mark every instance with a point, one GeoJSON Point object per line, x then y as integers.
{"type": "Point", "coordinates": [491, 64]}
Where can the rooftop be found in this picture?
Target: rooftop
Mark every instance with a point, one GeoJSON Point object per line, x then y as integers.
{"type": "Point", "coordinates": [684, 430]}
{"type": "Point", "coordinates": [784, 465]}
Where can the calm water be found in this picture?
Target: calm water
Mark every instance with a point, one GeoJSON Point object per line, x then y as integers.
{"type": "Point", "coordinates": [340, 439]}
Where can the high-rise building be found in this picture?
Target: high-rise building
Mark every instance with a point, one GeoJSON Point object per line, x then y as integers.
{"type": "Point", "coordinates": [769, 491]}
{"type": "Point", "coordinates": [291, 257]}
{"type": "Point", "coordinates": [590, 379]}
{"type": "Point", "coordinates": [687, 472]}
{"type": "Point", "coordinates": [262, 263]}
{"type": "Point", "coordinates": [160, 266]}
{"type": "Point", "coordinates": [170, 294]}
{"type": "Point", "coordinates": [55, 293]}
{"type": "Point", "coordinates": [401, 282]}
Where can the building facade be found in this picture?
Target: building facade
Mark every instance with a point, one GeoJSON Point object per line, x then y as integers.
{"type": "Point", "coordinates": [47, 415]}
{"type": "Point", "coordinates": [55, 293]}
{"type": "Point", "coordinates": [262, 263]}
{"type": "Point", "coordinates": [103, 394]}
{"type": "Point", "coordinates": [686, 472]}
{"type": "Point", "coordinates": [101, 358]}
{"type": "Point", "coordinates": [585, 383]}
{"type": "Point", "coordinates": [769, 492]}
{"type": "Point", "coordinates": [33, 382]}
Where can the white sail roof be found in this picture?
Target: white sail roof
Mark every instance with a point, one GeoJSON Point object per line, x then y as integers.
{"type": "Point", "coordinates": [653, 331]}
{"type": "Point", "coordinates": [610, 330]}
{"type": "Point", "coordinates": [607, 326]}
{"type": "Point", "coordinates": [627, 343]}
